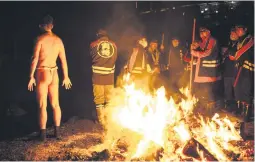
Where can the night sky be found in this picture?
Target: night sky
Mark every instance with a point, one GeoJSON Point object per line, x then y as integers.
{"type": "Point", "coordinates": [76, 23]}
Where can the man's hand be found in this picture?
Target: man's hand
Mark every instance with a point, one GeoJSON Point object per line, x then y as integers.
{"type": "Point", "coordinates": [31, 84]}
{"type": "Point", "coordinates": [67, 83]}
{"type": "Point", "coordinates": [194, 45]}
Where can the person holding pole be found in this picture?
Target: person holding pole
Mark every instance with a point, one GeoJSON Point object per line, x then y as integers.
{"type": "Point", "coordinates": [207, 72]}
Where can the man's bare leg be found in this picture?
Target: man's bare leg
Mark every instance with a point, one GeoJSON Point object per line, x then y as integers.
{"type": "Point", "coordinates": [54, 100]}
{"type": "Point", "coordinates": [42, 91]}
{"type": "Point", "coordinates": [42, 101]}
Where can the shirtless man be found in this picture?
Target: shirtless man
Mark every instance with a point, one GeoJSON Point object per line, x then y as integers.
{"type": "Point", "coordinates": [48, 47]}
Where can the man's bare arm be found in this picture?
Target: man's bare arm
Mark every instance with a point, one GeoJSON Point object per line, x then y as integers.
{"type": "Point", "coordinates": [35, 57]}
{"type": "Point", "coordinates": [62, 56]}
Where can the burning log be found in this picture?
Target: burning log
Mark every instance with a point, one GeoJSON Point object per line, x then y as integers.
{"type": "Point", "coordinates": [247, 130]}
{"type": "Point", "coordinates": [191, 147]}
{"type": "Point", "coordinates": [159, 154]}
{"type": "Point", "coordinates": [100, 156]}
{"type": "Point", "coordinates": [117, 157]}
{"type": "Point", "coordinates": [119, 150]}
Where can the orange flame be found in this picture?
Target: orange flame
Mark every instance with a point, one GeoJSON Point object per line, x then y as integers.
{"type": "Point", "coordinates": [148, 122]}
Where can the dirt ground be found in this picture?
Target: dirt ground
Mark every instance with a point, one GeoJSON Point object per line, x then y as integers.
{"type": "Point", "coordinates": [78, 136]}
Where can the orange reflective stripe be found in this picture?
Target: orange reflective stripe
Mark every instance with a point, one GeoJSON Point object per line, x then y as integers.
{"type": "Point", "coordinates": [240, 52]}
{"type": "Point", "coordinates": [199, 79]}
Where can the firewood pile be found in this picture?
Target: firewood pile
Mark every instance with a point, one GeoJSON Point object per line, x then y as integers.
{"type": "Point", "coordinates": [78, 139]}
{"type": "Point", "coordinates": [190, 152]}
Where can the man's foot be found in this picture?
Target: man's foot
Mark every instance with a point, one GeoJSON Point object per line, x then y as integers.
{"type": "Point", "coordinates": [42, 135]}
{"type": "Point", "coordinates": [59, 138]}
{"type": "Point", "coordinates": [57, 133]}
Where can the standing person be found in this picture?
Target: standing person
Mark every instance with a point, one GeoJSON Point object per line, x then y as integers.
{"type": "Point", "coordinates": [137, 64]}
{"type": "Point", "coordinates": [244, 80]}
{"type": "Point", "coordinates": [155, 60]}
{"type": "Point", "coordinates": [207, 72]}
{"type": "Point", "coordinates": [177, 64]}
{"type": "Point", "coordinates": [103, 52]}
{"type": "Point", "coordinates": [48, 47]}
{"type": "Point", "coordinates": [229, 72]}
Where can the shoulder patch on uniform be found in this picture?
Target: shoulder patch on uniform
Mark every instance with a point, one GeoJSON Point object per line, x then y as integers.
{"type": "Point", "coordinates": [105, 49]}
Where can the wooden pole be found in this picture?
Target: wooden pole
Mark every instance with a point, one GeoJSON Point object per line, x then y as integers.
{"type": "Point", "coordinates": [163, 39]}
{"type": "Point", "coordinates": [191, 62]}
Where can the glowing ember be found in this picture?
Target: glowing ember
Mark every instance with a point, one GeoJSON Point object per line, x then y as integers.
{"type": "Point", "coordinates": [148, 122]}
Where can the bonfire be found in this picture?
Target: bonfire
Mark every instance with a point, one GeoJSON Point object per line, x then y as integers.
{"type": "Point", "coordinates": [144, 126]}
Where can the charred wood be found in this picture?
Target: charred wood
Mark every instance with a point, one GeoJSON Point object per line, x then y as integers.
{"type": "Point", "coordinates": [247, 130]}
{"type": "Point", "coordinates": [191, 147]}
{"type": "Point", "coordinates": [100, 156]}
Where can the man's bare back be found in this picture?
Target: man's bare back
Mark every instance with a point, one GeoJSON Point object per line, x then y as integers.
{"type": "Point", "coordinates": [51, 47]}
{"type": "Point", "coordinates": [48, 47]}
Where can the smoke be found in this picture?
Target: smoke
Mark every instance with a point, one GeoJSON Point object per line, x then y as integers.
{"type": "Point", "coordinates": [124, 26]}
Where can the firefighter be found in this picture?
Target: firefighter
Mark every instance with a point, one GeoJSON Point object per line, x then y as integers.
{"type": "Point", "coordinates": [244, 78]}
{"type": "Point", "coordinates": [137, 64]}
{"type": "Point", "coordinates": [103, 52]}
{"type": "Point", "coordinates": [154, 59]}
{"type": "Point", "coordinates": [177, 65]}
{"type": "Point", "coordinates": [207, 72]}
{"type": "Point", "coordinates": [229, 72]}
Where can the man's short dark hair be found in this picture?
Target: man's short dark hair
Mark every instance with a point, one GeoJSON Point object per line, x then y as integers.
{"type": "Point", "coordinates": [204, 28]}
{"type": "Point", "coordinates": [46, 20]}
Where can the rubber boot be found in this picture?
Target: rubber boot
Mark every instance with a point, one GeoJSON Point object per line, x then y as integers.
{"type": "Point", "coordinates": [100, 116]}
{"type": "Point", "coordinates": [243, 109]}
{"type": "Point", "coordinates": [106, 108]}
{"type": "Point", "coordinates": [225, 108]}
{"type": "Point", "coordinates": [238, 109]}
{"type": "Point", "coordinates": [248, 114]}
